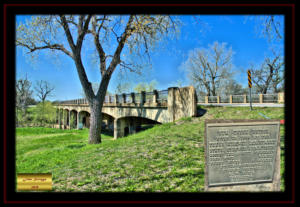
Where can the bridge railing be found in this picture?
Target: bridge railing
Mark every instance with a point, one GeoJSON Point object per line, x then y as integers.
{"type": "Point", "coordinates": [128, 98]}
{"type": "Point", "coordinates": [149, 97]}
{"type": "Point", "coordinates": [111, 99]}
{"type": "Point", "coordinates": [75, 101]}
{"type": "Point", "coordinates": [137, 97]}
{"type": "Point", "coordinates": [244, 98]}
{"type": "Point", "coordinates": [224, 99]}
{"type": "Point", "coordinates": [238, 98]}
{"type": "Point", "coordinates": [143, 97]}
{"type": "Point", "coordinates": [106, 99]}
{"type": "Point", "coordinates": [254, 98]}
{"type": "Point", "coordinates": [212, 99]}
{"type": "Point", "coordinates": [270, 98]}
{"type": "Point", "coordinates": [162, 96]}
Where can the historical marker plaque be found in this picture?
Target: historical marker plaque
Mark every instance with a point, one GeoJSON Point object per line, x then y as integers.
{"type": "Point", "coordinates": [242, 152]}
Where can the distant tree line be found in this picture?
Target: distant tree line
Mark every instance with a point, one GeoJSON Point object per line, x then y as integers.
{"type": "Point", "coordinates": [43, 113]}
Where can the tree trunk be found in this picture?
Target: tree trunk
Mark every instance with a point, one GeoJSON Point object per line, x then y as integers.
{"type": "Point", "coordinates": [95, 123]}
{"type": "Point", "coordinates": [96, 111]}
{"type": "Point", "coordinates": [213, 90]}
{"type": "Point", "coordinates": [264, 91]}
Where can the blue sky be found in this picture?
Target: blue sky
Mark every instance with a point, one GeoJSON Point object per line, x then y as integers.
{"type": "Point", "coordinates": [238, 31]}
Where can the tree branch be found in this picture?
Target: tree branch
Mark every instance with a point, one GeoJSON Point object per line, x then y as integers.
{"type": "Point", "coordinates": [82, 31]}
{"type": "Point", "coordinates": [68, 33]}
{"type": "Point", "coordinates": [47, 46]}
{"type": "Point", "coordinates": [116, 59]}
{"type": "Point", "coordinates": [77, 57]}
{"type": "Point", "coordinates": [98, 45]}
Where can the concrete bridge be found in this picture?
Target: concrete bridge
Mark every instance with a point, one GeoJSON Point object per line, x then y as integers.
{"type": "Point", "coordinates": [125, 113]}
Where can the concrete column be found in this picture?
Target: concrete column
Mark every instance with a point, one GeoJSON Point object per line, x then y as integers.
{"type": "Point", "coordinates": [218, 99]}
{"type": "Point", "coordinates": [260, 98]}
{"type": "Point", "coordinates": [281, 97]}
{"type": "Point", "coordinates": [78, 116]}
{"type": "Point", "coordinates": [155, 96]}
{"type": "Point", "coordinates": [115, 128]}
{"type": "Point", "coordinates": [69, 119]}
{"type": "Point", "coordinates": [171, 103]}
{"type": "Point", "coordinates": [133, 97]}
{"type": "Point", "coordinates": [124, 98]}
{"type": "Point", "coordinates": [143, 97]}
{"type": "Point", "coordinates": [59, 118]}
{"type": "Point", "coordinates": [206, 99]}
{"type": "Point", "coordinates": [230, 99]}
{"type": "Point", "coordinates": [245, 98]}
{"type": "Point", "coordinates": [56, 120]}
{"type": "Point", "coordinates": [63, 119]}
{"type": "Point", "coordinates": [116, 99]}
{"type": "Point", "coordinates": [118, 129]}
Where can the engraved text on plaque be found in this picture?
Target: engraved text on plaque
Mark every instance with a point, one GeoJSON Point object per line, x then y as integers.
{"type": "Point", "coordinates": [239, 153]}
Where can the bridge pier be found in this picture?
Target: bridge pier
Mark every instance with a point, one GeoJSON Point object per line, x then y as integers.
{"type": "Point", "coordinates": [78, 116]}
{"type": "Point", "coordinates": [125, 126]}
{"type": "Point", "coordinates": [117, 128]}
{"type": "Point", "coordinates": [69, 119]}
{"type": "Point", "coordinates": [59, 118]}
{"type": "Point", "coordinates": [63, 119]}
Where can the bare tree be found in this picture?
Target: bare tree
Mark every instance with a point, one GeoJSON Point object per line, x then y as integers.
{"type": "Point", "coordinates": [269, 26]}
{"type": "Point", "coordinates": [43, 90]}
{"type": "Point", "coordinates": [23, 93]}
{"type": "Point", "coordinates": [272, 28]}
{"type": "Point", "coordinates": [269, 75]}
{"type": "Point", "coordinates": [134, 34]}
{"type": "Point", "coordinates": [208, 67]}
{"type": "Point", "coordinates": [23, 97]}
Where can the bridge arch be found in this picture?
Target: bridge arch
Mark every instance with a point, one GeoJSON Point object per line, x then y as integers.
{"type": "Point", "coordinates": [126, 125]}
{"type": "Point", "coordinates": [73, 118]}
{"type": "Point", "coordinates": [63, 118]}
{"type": "Point", "coordinates": [107, 121]}
{"type": "Point", "coordinates": [84, 118]}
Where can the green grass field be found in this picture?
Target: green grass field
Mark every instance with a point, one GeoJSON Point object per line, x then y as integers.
{"type": "Point", "coordinates": [165, 158]}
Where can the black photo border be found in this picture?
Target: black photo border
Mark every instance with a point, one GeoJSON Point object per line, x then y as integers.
{"type": "Point", "coordinates": [9, 194]}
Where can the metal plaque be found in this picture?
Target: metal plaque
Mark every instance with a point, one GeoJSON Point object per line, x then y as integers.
{"type": "Point", "coordinates": [241, 152]}
{"type": "Point", "coordinates": [34, 181]}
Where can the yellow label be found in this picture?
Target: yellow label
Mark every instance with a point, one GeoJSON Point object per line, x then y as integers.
{"type": "Point", "coordinates": [34, 181]}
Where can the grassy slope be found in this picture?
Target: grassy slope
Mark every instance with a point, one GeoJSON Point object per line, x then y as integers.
{"type": "Point", "coordinates": [168, 157]}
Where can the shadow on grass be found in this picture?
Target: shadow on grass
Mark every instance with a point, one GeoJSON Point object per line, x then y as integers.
{"type": "Point", "coordinates": [140, 129]}
{"type": "Point", "coordinates": [74, 146]}
{"type": "Point", "coordinates": [145, 127]}
{"type": "Point", "coordinates": [107, 132]}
